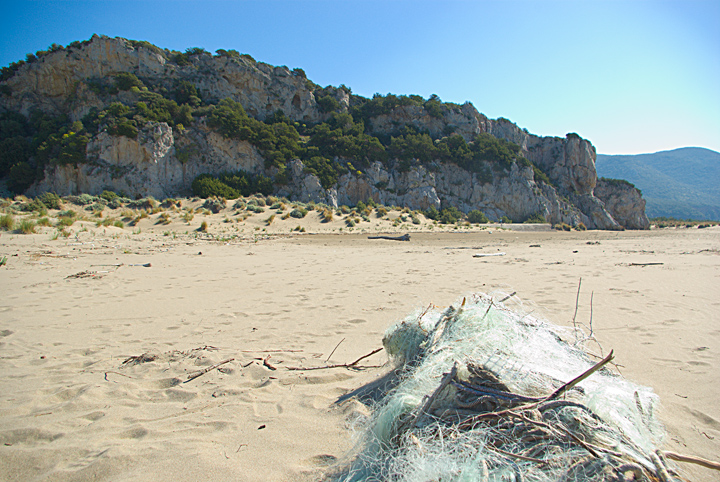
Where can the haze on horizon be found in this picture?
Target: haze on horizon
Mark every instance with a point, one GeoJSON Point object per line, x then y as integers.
{"type": "Point", "coordinates": [632, 77]}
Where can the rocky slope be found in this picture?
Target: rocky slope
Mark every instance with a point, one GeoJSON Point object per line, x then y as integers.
{"type": "Point", "coordinates": [163, 159]}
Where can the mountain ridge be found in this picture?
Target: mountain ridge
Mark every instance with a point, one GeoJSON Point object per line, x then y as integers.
{"type": "Point", "coordinates": [679, 183]}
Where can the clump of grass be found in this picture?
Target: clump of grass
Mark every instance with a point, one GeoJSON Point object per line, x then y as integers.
{"type": "Point", "coordinates": [327, 215]}
{"type": "Point", "coordinates": [562, 227]}
{"type": "Point", "coordinates": [350, 223]}
{"type": "Point", "coordinates": [580, 227]}
{"type": "Point", "coordinates": [64, 222]}
{"type": "Point", "coordinates": [44, 222]}
{"type": "Point", "coordinates": [164, 218]}
{"type": "Point", "coordinates": [26, 226]}
{"type": "Point", "coordinates": [203, 227]}
{"type": "Point", "coordinates": [105, 222]}
{"type": "Point", "coordinates": [270, 220]}
{"type": "Point", "coordinates": [119, 224]}
{"type": "Point", "coordinates": [188, 216]}
{"type": "Point", "coordinates": [381, 211]}
{"type": "Point", "coordinates": [7, 222]}
{"type": "Point", "coordinates": [285, 216]}
{"type": "Point", "coordinates": [299, 229]}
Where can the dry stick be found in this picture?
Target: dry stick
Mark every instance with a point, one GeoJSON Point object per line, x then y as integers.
{"type": "Point", "coordinates": [582, 377]}
{"type": "Point", "coordinates": [710, 464]}
{"type": "Point", "coordinates": [202, 372]}
{"type": "Point", "coordinates": [509, 411]}
{"type": "Point", "coordinates": [577, 303]}
{"type": "Point", "coordinates": [336, 347]}
{"type": "Point", "coordinates": [646, 264]}
{"type": "Point", "coordinates": [661, 471]}
{"type": "Point", "coordinates": [339, 365]}
{"type": "Point", "coordinates": [508, 297]}
{"type": "Point", "coordinates": [118, 373]}
{"type": "Point", "coordinates": [431, 399]}
{"type": "Point", "coordinates": [271, 351]}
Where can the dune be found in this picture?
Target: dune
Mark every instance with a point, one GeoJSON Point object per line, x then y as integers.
{"type": "Point", "coordinates": [155, 351]}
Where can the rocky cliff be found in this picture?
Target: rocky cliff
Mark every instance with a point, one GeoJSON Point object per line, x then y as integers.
{"type": "Point", "coordinates": [161, 157]}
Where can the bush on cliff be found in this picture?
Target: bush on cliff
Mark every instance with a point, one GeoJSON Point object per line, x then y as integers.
{"type": "Point", "coordinates": [231, 185]}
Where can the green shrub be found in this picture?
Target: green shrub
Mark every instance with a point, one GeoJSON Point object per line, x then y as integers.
{"type": "Point", "coordinates": [109, 195]}
{"type": "Point", "coordinates": [505, 219]}
{"type": "Point", "coordinates": [450, 215]}
{"type": "Point", "coordinates": [215, 204]}
{"type": "Point", "coordinates": [432, 213]}
{"type": "Point", "coordinates": [299, 213]}
{"type": "Point", "coordinates": [51, 200]}
{"type": "Point", "coordinates": [127, 80]}
{"type": "Point", "coordinates": [44, 222]}
{"type": "Point", "coordinates": [477, 217]}
{"type": "Point", "coordinates": [536, 218]}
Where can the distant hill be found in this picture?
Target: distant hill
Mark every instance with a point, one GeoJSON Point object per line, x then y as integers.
{"type": "Point", "coordinates": [682, 183]}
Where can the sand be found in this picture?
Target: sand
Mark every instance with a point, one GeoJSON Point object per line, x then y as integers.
{"type": "Point", "coordinates": [79, 401]}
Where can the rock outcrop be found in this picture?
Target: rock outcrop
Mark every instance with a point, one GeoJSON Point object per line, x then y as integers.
{"type": "Point", "coordinates": [624, 201]}
{"type": "Point", "coordinates": [163, 161]}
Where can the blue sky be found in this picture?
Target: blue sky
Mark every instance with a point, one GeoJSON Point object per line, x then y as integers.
{"type": "Point", "coordinates": [630, 76]}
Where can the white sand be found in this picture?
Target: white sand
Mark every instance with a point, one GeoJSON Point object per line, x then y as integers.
{"type": "Point", "coordinates": [70, 410]}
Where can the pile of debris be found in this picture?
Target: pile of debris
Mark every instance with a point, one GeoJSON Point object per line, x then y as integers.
{"type": "Point", "coordinates": [489, 393]}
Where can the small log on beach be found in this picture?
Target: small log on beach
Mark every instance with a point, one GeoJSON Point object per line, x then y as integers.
{"type": "Point", "coordinates": [404, 237]}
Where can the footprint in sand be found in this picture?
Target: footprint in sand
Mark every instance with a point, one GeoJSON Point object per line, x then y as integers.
{"type": "Point", "coordinates": [27, 436]}
{"type": "Point", "coordinates": [136, 433]}
{"type": "Point", "coordinates": [357, 321]}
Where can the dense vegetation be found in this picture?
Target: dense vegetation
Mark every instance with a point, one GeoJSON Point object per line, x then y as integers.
{"type": "Point", "coordinates": [343, 143]}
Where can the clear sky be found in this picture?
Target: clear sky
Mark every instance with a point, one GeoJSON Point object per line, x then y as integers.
{"type": "Point", "coordinates": [631, 76]}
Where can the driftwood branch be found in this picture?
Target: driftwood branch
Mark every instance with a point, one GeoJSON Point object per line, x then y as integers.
{"type": "Point", "coordinates": [266, 363]}
{"type": "Point", "coordinates": [404, 237]}
{"type": "Point", "coordinates": [646, 264]}
{"type": "Point", "coordinates": [202, 372]}
{"type": "Point", "coordinates": [339, 365]}
{"type": "Point", "coordinates": [710, 464]}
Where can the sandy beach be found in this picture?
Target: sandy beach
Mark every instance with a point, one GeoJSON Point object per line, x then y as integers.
{"type": "Point", "coordinates": [160, 352]}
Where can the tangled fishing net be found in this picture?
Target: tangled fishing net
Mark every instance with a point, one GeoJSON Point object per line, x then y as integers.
{"type": "Point", "coordinates": [487, 393]}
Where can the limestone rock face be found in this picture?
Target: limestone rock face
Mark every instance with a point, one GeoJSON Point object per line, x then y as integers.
{"type": "Point", "coordinates": [150, 165]}
{"type": "Point", "coordinates": [53, 82]}
{"type": "Point", "coordinates": [624, 202]}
